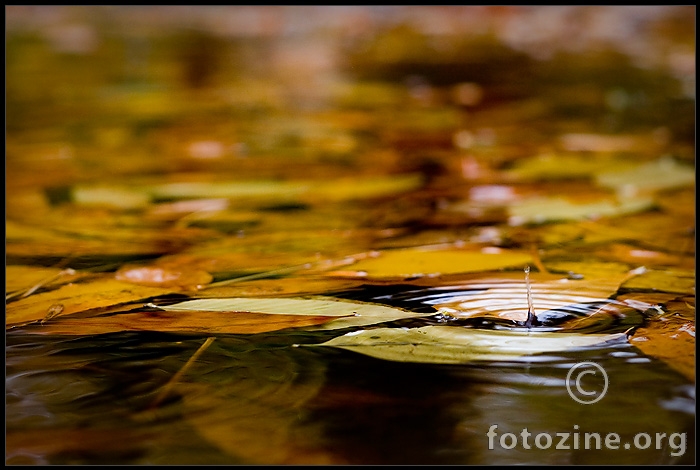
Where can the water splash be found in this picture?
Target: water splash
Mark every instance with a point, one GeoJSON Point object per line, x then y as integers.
{"type": "Point", "coordinates": [504, 301]}
{"type": "Point", "coordinates": [531, 315]}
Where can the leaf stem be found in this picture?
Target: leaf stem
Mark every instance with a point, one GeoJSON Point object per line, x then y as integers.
{"type": "Point", "coordinates": [175, 378]}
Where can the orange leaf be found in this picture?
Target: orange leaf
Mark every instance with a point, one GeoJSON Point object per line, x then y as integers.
{"type": "Point", "coordinates": [74, 298]}
{"type": "Point", "coordinates": [193, 321]}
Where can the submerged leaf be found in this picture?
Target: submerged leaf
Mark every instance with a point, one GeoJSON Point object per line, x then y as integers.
{"type": "Point", "coordinates": [457, 345]}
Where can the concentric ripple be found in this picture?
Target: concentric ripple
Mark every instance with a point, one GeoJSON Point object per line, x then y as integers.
{"type": "Point", "coordinates": [562, 304]}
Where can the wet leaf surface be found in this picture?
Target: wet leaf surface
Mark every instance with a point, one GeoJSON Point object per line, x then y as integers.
{"type": "Point", "coordinates": [431, 262]}
{"type": "Point", "coordinates": [670, 336]}
{"type": "Point", "coordinates": [190, 321]}
{"type": "Point", "coordinates": [74, 298]}
{"type": "Point", "coordinates": [455, 345]}
{"type": "Point", "coordinates": [348, 314]}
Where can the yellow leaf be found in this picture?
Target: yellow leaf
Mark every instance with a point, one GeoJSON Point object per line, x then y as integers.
{"type": "Point", "coordinates": [674, 281]}
{"type": "Point", "coordinates": [25, 277]}
{"type": "Point", "coordinates": [417, 262]}
{"type": "Point", "coordinates": [672, 342]}
{"type": "Point", "coordinates": [368, 187]}
{"type": "Point", "coordinates": [457, 345]}
{"type": "Point", "coordinates": [76, 298]}
{"type": "Point", "coordinates": [110, 196]}
{"type": "Point", "coordinates": [347, 313]}
{"type": "Point", "coordinates": [297, 285]}
{"type": "Point", "coordinates": [562, 166]}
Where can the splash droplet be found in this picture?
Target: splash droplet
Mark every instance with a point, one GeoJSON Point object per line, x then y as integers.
{"type": "Point", "coordinates": [531, 315]}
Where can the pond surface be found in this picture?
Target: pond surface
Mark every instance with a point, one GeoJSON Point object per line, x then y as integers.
{"type": "Point", "coordinates": [418, 236]}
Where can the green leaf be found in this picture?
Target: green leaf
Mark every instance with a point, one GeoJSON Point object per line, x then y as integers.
{"type": "Point", "coordinates": [358, 314]}
{"type": "Point", "coordinates": [457, 345]}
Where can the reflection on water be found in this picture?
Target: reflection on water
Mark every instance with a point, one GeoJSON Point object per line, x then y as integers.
{"type": "Point", "coordinates": [262, 400]}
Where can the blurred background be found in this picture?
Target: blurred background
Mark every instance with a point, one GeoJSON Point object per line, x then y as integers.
{"type": "Point", "coordinates": [171, 88]}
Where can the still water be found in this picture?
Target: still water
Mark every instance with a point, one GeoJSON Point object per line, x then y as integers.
{"type": "Point", "coordinates": [262, 158]}
{"type": "Point", "coordinates": [264, 400]}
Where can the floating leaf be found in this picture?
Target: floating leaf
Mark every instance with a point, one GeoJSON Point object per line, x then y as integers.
{"type": "Point", "coordinates": [179, 321]}
{"type": "Point", "coordinates": [76, 298]}
{"type": "Point", "coordinates": [417, 262]}
{"type": "Point", "coordinates": [228, 189]}
{"type": "Point", "coordinates": [26, 278]}
{"type": "Point", "coordinates": [110, 196]}
{"type": "Point", "coordinates": [674, 281]}
{"type": "Point", "coordinates": [98, 236]}
{"type": "Point", "coordinates": [342, 189]}
{"type": "Point", "coordinates": [367, 187]}
{"type": "Point", "coordinates": [348, 313]}
{"type": "Point", "coordinates": [616, 273]}
{"type": "Point", "coordinates": [563, 166]}
{"type": "Point", "coordinates": [201, 207]}
{"type": "Point", "coordinates": [163, 277]}
{"type": "Point", "coordinates": [670, 336]}
{"type": "Point", "coordinates": [539, 210]}
{"type": "Point", "coordinates": [457, 345]}
{"type": "Point", "coordinates": [664, 173]}
{"type": "Point", "coordinates": [628, 253]}
{"type": "Point", "coordinates": [584, 142]}
{"type": "Point", "coordinates": [297, 285]}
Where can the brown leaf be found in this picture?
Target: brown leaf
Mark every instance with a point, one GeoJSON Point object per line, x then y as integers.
{"type": "Point", "coordinates": [179, 322]}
